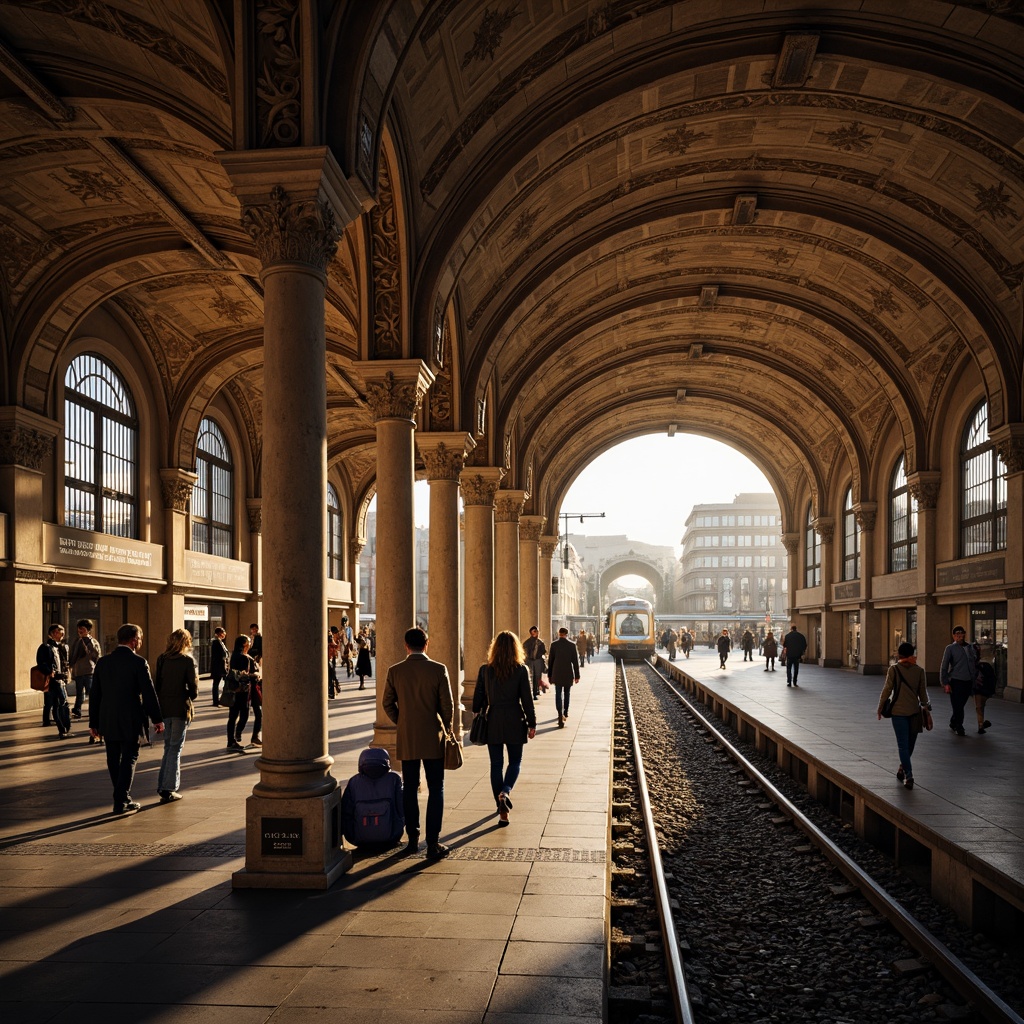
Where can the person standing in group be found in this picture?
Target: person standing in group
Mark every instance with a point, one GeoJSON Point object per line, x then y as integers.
{"type": "Point", "coordinates": [243, 674]}
{"type": "Point", "coordinates": [535, 649]}
{"type": "Point", "coordinates": [85, 652]}
{"type": "Point", "coordinates": [333, 648]}
{"type": "Point", "coordinates": [724, 645]}
{"type": "Point", "coordinates": [747, 643]}
{"type": "Point", "coordinates": [122, 700]}
{"type": "Point", "coordinates": [906, 679]}
{"type": "Point", "coordinates": [418, 699]}
{"type": "Point", "coordinates": [176, 687]}
{"type": "Point", "coordinates": [770, 649]}
{"type": "Point", "coordinates": [52, 660]}
{"type": "Point", "coordinates": [563, 671]}
{"type": "Point", "coordinates": [686, 642]}
{"type": "Point", "coordinates": [363, 666]}
{"type": "Point", "coordinates": [794, 645]}
{"type": "Point", "coordinates": [218, 662]}
{"type": "Point", "coordinates": [957, 673]}
{"type": "Point", "coordinates": [255, 643]}
{"type": "Point", "coordinates": [503, 688]}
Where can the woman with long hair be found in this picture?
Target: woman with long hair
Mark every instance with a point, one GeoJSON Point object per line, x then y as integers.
{"type": "Point", "coordinates": [243, 675]}
{"type": "Point", "coordinates": [177, 687]}
{"type": "Point", "coordinates": [505, 695]}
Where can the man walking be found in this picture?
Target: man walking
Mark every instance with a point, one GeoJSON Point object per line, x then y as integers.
{"type": "Point", "coordinates": [418, 699]}
{"type": "Point", "coordinates": [956, 675]}
{"type": "Point", "coordinates": [122, 699]}
{"type": "Point", "coordinates": [535, 649]}
{"type": "Point", "coordinates": [85, 652]}
{"type": "Point", "coordinates": [563, 671]}
{"type": "Point", "coordinates": [52, 660]}
{"type": "Point", "coordinates": [724, 645]}
{"type": "Point", "coordinates": [218, 662]}
{"type": "Point", "coordinates": [794, 644]}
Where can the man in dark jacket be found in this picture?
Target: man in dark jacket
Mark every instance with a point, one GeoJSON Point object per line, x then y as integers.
{"type": "Point", "coordinates": [219, 655]}
{"type": "Point", "coordinates": [52, 660]}
{"type": "Point", "coordinates": [794, 645]}
{"type": "Point", "coordinates": [535, 649]}
{"type": "Point", "coordinates": [122, 699]}
{"type": "Point", "coordinates": [563, 671]}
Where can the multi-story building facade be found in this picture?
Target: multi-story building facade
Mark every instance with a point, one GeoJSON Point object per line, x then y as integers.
{"type": "Point", "coordinates": [733, 571]}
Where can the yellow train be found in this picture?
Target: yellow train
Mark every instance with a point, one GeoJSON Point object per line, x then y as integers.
{"type": "Point", "coordinates": [630, 623]}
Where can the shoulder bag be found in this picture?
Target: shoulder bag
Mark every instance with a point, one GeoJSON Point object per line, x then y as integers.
{"type": "Point", "coordinates": [39, 680]}
{"type": "Point", "coordinates": [452, 753]}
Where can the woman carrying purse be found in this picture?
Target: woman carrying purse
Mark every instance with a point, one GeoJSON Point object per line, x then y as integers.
{"type": "Point", "coordinates": [907, 682]}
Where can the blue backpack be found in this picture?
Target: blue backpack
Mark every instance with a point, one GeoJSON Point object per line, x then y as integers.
{"type": "Point", "coordinates": [371, 805]}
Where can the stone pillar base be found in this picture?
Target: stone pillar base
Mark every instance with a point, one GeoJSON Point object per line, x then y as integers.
{"type": "Point", "coordinates": [1013, 694]}
{"type": "Point", "coordinates": [293, 843]}
{"type": "Point", "coordinates": [386, 736]}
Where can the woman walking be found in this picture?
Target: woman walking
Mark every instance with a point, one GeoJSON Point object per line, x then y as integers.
{"type": "Point", "coordinates": [242, 676]}
{"type": "Point", "coordinates": [770, 649]}
{"type": "Point", "coordinates": [907, 682]}
{"type": "Point", "coordinates": [503, 689]}
{"type": "Point", "coordinates": [177, 687]}
{"type": "Point", "coordinates": [363, 666]}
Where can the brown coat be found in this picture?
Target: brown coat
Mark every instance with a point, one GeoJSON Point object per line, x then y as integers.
{"type": "Point", "coordinates": [418, 699]}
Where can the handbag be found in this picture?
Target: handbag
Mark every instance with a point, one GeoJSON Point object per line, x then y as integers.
{"type": "Point", "coordinates": [39, 680]}
{"type": "Point", "coordinates": [478, 730]}
{"type": "Point", "coordinates": [926, 719]}
{"type": "Point", "coordinates": [452, 753]}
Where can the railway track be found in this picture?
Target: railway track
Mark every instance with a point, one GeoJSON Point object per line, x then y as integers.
{"type": "Point", "coordinates": [774, 921]}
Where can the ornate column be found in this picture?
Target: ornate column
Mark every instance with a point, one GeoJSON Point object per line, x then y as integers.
{"type": "Point", "coordinates": [932, 619]}
{"type": "Point", "coordinates": [355, 549]}
{"type": "Point", "coordinates": [479, 484]}
{"type": "Point", "coordinates": [831, 653]}
{"type": "Point", "coordinates": [251, 610]}
{"type": "Point", "coordinates": [874, 645]}
{"type": "Point", "coordinates": [530, 529]}
{"type": "Point", "coordinates": [444, 454]}
{"type": "Point", "coordinates": [293, 204]}
{"type": "Point", "coordinates": [508, 507]}
{"type": "Point", "coordinates": [548, 544]}
{"type": "Point", "coordinates": [394, 392]}
{"type": "Point", "coordinates": [1010, 446]}
{"type": "Point", "coordinates": [166, 611]}
{"type": "Point", "coordinates": [26, 454]}
{"type": "Point", "coordinates": [794, 573]}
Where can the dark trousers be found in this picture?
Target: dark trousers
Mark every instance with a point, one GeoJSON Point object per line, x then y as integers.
{"type": "Point", "coordinates": [256, 700]}
{"type": "Point", "coordinates": [56, 700]}
{"type": "Point", "coordinates": [792, 669]}
{"type": "Point", "coordinates": [958, 697]}
{"type": "Point", "coordinates": [83, 684]}
{"type": "Point", "coordinates": [433, 769]}
{"type": "Point", "coordinates": [562, 691]}
{"type": "Point", "coordinates": [332, 679]}
{"type": "Point", "coordinates": [238, 715]}
{"type": "Point", "coordinates": [217, 680]}
{"type": "Point", "coordinates": [122, 756]}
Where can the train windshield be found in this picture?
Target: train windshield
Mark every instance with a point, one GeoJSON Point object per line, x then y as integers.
{"type": "Point", "coordinates": [630, 624]}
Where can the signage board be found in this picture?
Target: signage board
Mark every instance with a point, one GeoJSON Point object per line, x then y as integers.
{"type": "Point", "coordinates": [281, 837]}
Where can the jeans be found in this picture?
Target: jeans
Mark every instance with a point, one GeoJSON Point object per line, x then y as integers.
{"type": "Point", "coordinates": [170, 767]}
{"type": "Point", "coordinates": [905, 740]}
{"type": "Point", "coordinates": [562, 691]}
{"type": "Point", "coordinates": [121, 760]}
{"type": "Point", "coordinates": [792, 669]}
{"type": "Point", "coordinates": [504, 782]}
{"type": "Point", "coordinates": [238, 715]}
{"type": "Point", "coordinates": [83, 684]}
{"type": "Point", "coordinates": [536, 671]}
{"type": "Point", "coordinates": [433, 769]}
{"type": "Point", "coordinates": [769, 664]}
{"type": "Point", "coordinates": [959, 693]}
{"type": "Point", "coordinates": [56, 699]}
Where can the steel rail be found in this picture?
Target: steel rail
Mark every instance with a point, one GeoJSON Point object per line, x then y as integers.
{"type": "Point", "coordinates": [953, 969]}
{"type": "Point", "coordinates": [683, 1010]}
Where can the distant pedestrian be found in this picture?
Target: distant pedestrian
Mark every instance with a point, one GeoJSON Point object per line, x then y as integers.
{"type": "Point", "coordinates": [84, 654]}
{"type": "Point", "coordinates": [52, 660]}
{"type": "Point", "coordinates": [255, 643]}
{"type": "Point", "coordinates": [563, 671]}
{"type": "Point", "coordinates": [724, 645]}
{"type": "Point", "coordinates": [794, 644]}
{"type": "Point", "coordinates": [122, 703]}
{"type": "Point", "coordinates": [770, 649]}
{"type": "Point", "coordinates": [747, 643]}
{"type": "Point", "coordinates": [363, 666]}
{"type": "Point", "coordinates": [418, 699]}
{"type": "Point", "coordinates": [581, 646]}
{"type": "Point", "coordinates": [503, 688]}
{"type": "Point", "coordinates": [243, 674]}
{"type": "Point", "coordinates": [333, 650]}
{"type": "Point", "coordinates": [906, 679]}
{"type": "Point", "coordinates": [218, 662]}
{"type": "Point", "coordinates": [957, 673]}
{"type": "Point", "coordinates": [176, 687]}
{"type": "Point", "coordinates": [534, 648]}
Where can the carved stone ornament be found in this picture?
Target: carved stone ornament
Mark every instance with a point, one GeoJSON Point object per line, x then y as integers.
{"type": "Point", "coordinates": [22, 446]}
{"type": "Point", "coordinates": [176, 486]}
{"type": "Point", "coordinates": [387, 271]}
{"type": "Point", "coordinates": [441, 402]}
{"type": "Point", "coordinates": [925, 490]}
{"type": "Point", "coordinates": [254, 510]}
{"type": "Point", "coordinates": [508, 506]}
{"type": "Point", "coordinates": [392, 399]}
{"type": "Point", "coordinates": [825, 528]}
{"type": "Point", "coordinates": [1011, 453]}
{"type": "Point", "coordinates": [866, 515]}
{"type": "Point", "coordinates": [477, 489]}
{"type": "Point", "coordinates": [530, 528]}
{"type": "Point", "coordinates": [278, 72]}
{"type": "Point", "coordinates": [548, 546]}
{"type": "Point", "coordinates": [791, 542]}
{"type": "Point", "coordinates": [355, 547]}
{"type": "Point", "coordinates": [443, 463]}
{"type": "Point", "coordinates": [292, 231]}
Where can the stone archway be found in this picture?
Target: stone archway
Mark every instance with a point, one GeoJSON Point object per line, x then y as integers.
{"type": "Point", "coordinates": [637, 565]}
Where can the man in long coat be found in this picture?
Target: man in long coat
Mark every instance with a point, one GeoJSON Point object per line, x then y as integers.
{"type": "Point", "coordinates": [121, 700]}
{"type": "Point", "coordinates": [418, 699]}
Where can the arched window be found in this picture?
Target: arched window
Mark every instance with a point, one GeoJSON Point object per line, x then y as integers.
{"type": "Point", "coordinates": [983, 486]}
{"type": "Point", "coordinates": [212, 521]}
{"type": "Point", "coordinates": [902, 521]}
{"type": "Point", "coordinates": [101, 437]}
{"type": "Point", "coordinates": [812, 551]}
{"type": "Point", "coordinates": [335, 562]}
{"type": "Point", "coordinates": [851, 539]}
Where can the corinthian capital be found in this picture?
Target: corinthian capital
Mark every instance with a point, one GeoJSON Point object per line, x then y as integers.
{"type": "Point", "coordinates": [548, 544]}
{"type": "Point", "coordinates": [1010, 446]}
{"type": "Point", "coordinates": [176, 485]}
{"type": "Point", "coordinates": [394, 387]}
{"type": "Point", "coordinates": [479, 484]}
{"type": "Point", "coordinates": [825, 527]}
{"type": "Point", "coordinates": [924, 487]}
{"type": "Point", "coordinates": [288, 230]}
{"type": "Point", "coordinates": [791, 542]}
{"type": "Point", "coordinates": [531, 528]}
{"type": "Point", "coordinates": [508, 506]}
{"type": "Point", "coordinates": [444, 454]}
{"type": "Point", "coordinates": [865, 512]}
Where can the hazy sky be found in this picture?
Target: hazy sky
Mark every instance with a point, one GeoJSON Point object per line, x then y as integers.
{"type": "Point", "coordinates": [646, 489]}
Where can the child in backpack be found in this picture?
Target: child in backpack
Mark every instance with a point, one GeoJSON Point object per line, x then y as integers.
{"type": "Point", "coordinates": [371, 805]}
